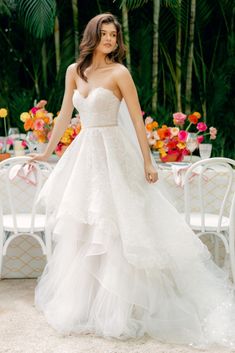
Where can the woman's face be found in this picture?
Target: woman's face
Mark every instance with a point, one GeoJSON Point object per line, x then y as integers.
{"type": "Point", "coordinates": [108, 38]}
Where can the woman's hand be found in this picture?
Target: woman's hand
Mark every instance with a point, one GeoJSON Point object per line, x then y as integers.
{"type": "Point", "coordinates": [150, 173]}
{"type": "Point", "coordinates": [38, 157]}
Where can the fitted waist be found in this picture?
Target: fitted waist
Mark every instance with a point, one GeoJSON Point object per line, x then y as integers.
{"type": "Point", "coordinates": [98, 126]}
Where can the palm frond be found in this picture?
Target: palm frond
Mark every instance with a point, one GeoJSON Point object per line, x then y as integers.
{"type": "Point", "coordinates": [38, 16]}
{"type": "Point", "coordinates": [7, 6]}
{"type": "Point", "coordinates": [132, 4]}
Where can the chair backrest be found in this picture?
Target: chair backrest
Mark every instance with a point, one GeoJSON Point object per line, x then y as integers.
{"type": "Point", "coordinates": [200, 170]}
{"type": "Point", "coordinates": [20, 191]}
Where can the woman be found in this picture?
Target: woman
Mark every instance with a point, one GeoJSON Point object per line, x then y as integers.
{"type": "Point", "coordinates": [119, 267]}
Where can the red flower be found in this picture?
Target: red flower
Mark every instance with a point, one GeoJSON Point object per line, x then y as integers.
{"type": "Point", "coordinates": [193, 119]}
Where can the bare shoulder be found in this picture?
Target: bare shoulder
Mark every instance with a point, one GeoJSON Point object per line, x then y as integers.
{"type": "Point", "coordinates": [122, 76]}
{"type": "Point", "coordinates": [120, 69]}
{"type": "Point", "coordinates": [72, 68]}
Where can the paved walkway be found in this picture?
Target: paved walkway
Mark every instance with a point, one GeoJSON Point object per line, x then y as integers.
{"type": "Point", "coordinates": [24, 330]}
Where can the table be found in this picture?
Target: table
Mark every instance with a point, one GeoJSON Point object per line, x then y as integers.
{"type": "Point", "coordinates": [215, 185]}
{"type": "Point", "coordinates": [24, 258]}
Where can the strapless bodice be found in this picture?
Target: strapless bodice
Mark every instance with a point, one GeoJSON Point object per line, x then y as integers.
{"type": "Point", "coordinates": [98, 109]}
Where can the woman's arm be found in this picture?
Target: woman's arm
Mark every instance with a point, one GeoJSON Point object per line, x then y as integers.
{"type": "Point", "coordinates": [64, 116]}
{"type": "Point", "coordinates": [129, 93]}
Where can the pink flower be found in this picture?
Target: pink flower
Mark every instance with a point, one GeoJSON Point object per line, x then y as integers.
{"type": "Point", "coordinates": [201, 127]}
{"type": "Point", "coordinates": [200, 139]}
{"type": "Point", "coordinates": [34, 110]}
{"type": "Point", "coordinates": [148, 120]}
{"type": "Point", "coordinates": [10, 141]}
{"type": "Point", "coordinates": [179, 118]}
{"type": "Point", "coordinates": [24, 143]}
{"type": "Point", "coordinates": [182, 135]}
{"type": "Point", "coordinates": [39, 124]}
{"type": "Point", "coordinates": [213, 133]}
{"type": "Point", "coordinates": [41, 104]}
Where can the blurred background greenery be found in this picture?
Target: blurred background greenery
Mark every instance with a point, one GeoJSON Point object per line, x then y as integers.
{"type": "Point", "coordinates": [181, 54]}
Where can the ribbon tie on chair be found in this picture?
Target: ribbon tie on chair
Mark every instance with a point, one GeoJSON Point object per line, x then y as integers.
{"type": "Point", "coordinates": [26, 171]}
{"type": "Point", "coordinates": [179, 174]}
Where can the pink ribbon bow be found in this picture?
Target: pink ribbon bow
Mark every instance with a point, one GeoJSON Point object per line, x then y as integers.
{"type": "Point", "coordinates": [179, 174]}
{"type": "Point", "coordinates": [26, 171]}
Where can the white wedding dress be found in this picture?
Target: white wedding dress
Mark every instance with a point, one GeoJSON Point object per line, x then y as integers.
{"type": "Point", "coordinates": [125, 263]}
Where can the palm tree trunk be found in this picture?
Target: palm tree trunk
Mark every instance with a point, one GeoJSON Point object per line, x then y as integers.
{"type": "Point", "coordinates": [57, 43]}
{"type": "Point", "coordinates": [178, 59]}
{"type": "Point", "coordinates": [156, 13]}
{"type": "Point", "coordinates": [75, 26]}
{"type": "Point", "coordinates": [44, 65]}
{"type": "Point", "coordinates": [126, 34]}
{"type": "Point", "coordinates": [188, 92]}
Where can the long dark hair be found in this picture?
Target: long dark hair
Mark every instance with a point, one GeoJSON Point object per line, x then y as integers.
{"type": "Point", "coordinates": [91, 38]}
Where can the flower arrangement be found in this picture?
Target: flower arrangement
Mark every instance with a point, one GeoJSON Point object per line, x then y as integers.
{"type": "Point", "coordinates": [3, 115]}
{"type": "Point", "coordinates": [3, 148]}
{"type": "Point", "coordinates": [69, 135]}
{"type": "Point", "coordinates": [171, 142]}
{"type": "Point", "coordinates": [38, 120]}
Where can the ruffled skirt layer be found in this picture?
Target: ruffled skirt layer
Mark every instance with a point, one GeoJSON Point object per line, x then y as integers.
{"type": "Point", "coordinates": [124, 263]}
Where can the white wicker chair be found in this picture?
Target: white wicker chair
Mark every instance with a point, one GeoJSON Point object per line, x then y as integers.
{"type": "Point", "coordinates": [18, 219]}
{"type": "Point", "coordinates": [219, 225]}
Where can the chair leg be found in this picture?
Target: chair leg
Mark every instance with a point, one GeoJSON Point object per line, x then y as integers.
{"type": "Point", "coordinates": [48, 243]}
{"type": "Point", "coordinates": [232, 253]}
{"type": "Point", "coordinates": [1, 252]}
{"type": "Point", "coordinates": [216, 251]}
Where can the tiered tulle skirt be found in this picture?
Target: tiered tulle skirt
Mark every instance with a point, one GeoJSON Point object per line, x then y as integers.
{"type": "Point", "coordinates": [125, 263]}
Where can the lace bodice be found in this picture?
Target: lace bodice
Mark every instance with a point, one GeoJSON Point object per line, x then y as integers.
{"type": "Point", "coordinates": [98, 109]}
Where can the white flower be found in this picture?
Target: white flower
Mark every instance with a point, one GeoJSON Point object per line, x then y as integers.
{"type": "Point", "coordinates": [148, 120]}
{"type": "Point", "coordinates": [174, 131]}
{"type": "Point", "coordinates": [155, 135]}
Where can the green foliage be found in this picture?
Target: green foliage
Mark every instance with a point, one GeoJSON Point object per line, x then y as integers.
{"type": "Point", "coordinates": [28, 25]}
{"type": "Point", "coordinates": [6, 7]}
{"type": "Point", "coordinates": [38, 16]}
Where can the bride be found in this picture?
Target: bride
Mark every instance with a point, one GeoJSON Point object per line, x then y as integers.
{"type": "Point", "coordinates": [124, 262]}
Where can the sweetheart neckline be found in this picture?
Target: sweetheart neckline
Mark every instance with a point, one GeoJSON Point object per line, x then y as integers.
{"type": "Point", "coordinates": [96, 88]}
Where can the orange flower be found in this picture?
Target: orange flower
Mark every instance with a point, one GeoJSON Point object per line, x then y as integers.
{"type": "Point", "coordinates": [46, 120]}
{"type": "Point", "coordinates": [193, 119]}
{"type": "Point", "coordinates": [149, 126]}
{"type": "Point", "coordinates": [78, 129]}
{"type": "Point", "coordinates": [40, 136]}
{"type": "Point", "coordinates": [28, 125]}
{"type": "Point", "coordinates": [181, 145]}
{"type": "Point", "coordinates": [162, 152]}
{"type": "Point", "coordinates": [155, 124]}
{"type": "Point", "coordinates": [198, 115]}
{"type": "Point", "coordinates": [159, 144]}
{"type": "Point", "coordinates": [163, 132]}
